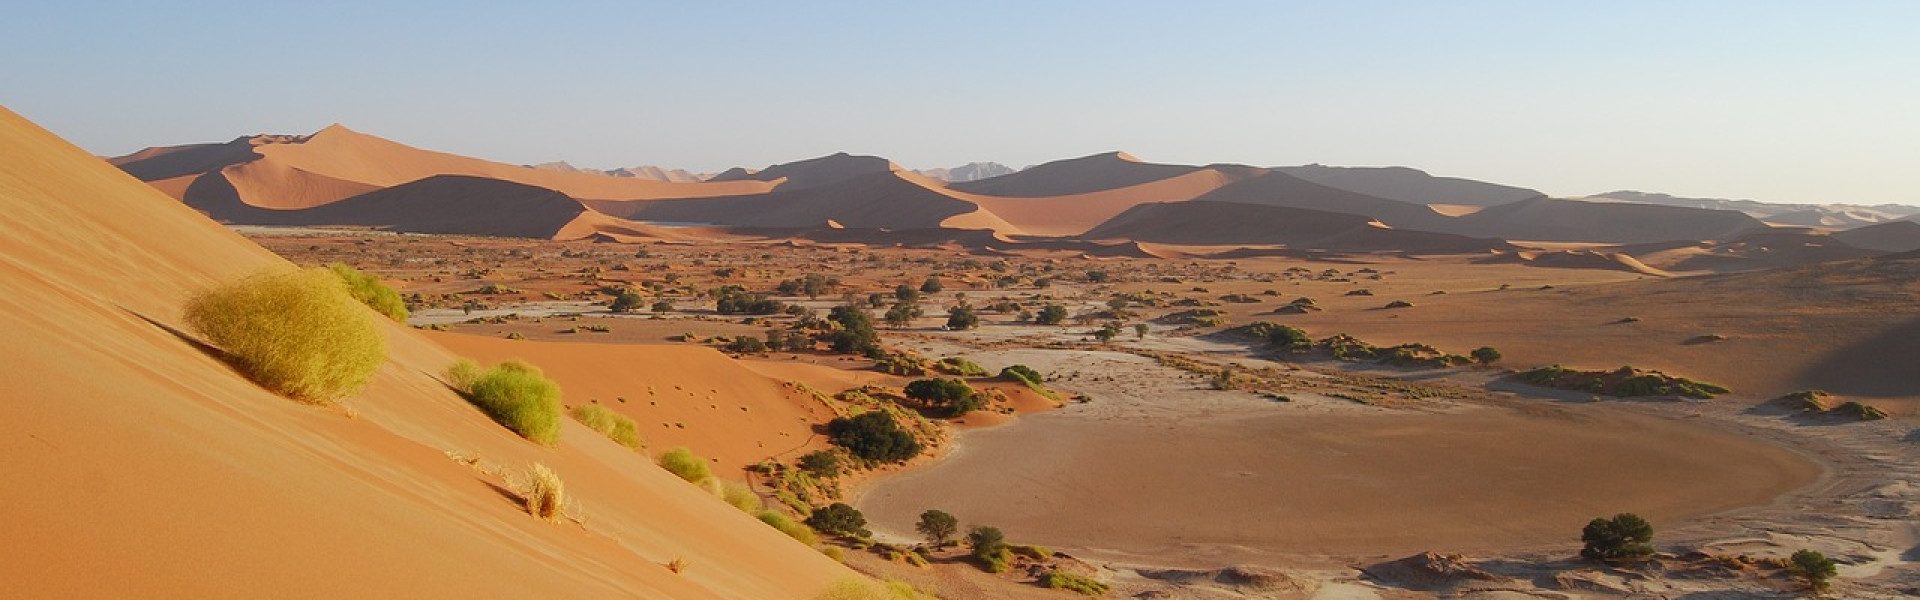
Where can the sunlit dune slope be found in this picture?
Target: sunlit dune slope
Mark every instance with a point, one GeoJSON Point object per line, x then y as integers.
{"type": "Point", "coordinates": [144, 467]}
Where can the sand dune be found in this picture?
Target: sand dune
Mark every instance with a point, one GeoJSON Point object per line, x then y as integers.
{"type": "Point", "coordinates": [157, 471]}
{"type": "Point", "coordinates": [1094, 173]}
{"type": "Point", "coordinates": [891, 199]}
{"type": "Point", "coordinates": [1281, 189]}
{"type": "Point", "coordinates": [1074, 214]}
{"type": "Point", "coordinates": [1892, 236]}
{"type": "Point", "coordinates": [1411, 185]}
{"type": "Point", "coordinates": [813, 172]}
{"type": "Point", "coordinates": [1577, 259]}
{"type": "Point", "coordinates": [1547, 219]}
{"type": "Point", "coordinates": [1203, 222]}
{"type": "Point", "coordinates": [1765, 249]}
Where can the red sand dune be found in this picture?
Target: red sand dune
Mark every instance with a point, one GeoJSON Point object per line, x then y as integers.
{"type": "Point", "coordinates": [145, 467]}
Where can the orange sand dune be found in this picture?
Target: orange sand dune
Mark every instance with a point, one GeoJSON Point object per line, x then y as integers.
{"type": "Point", "coordinates": [151, 469]}
{"type": "Point", "coordinates": [1281, 189]}
{"type": "Point", "coordinates": [1076, 213]}
{"type": "Point", "coordinates": [814, 171]}
{"type": "Point", "coordinates": [690, 396]}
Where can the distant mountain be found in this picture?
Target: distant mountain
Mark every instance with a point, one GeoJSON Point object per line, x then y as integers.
{"type": "Point", "coordinates": [973, 171]}
{"type": "Point", "coordinates": [648, 172]}
{"type": "Point", "coordinates": [1411, 185]}
{"type": "Point", "coordinates": [1840, 216]}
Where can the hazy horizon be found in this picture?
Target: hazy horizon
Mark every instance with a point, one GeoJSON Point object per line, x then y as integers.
{"type": "Point", "coordinates": [1773, 101]}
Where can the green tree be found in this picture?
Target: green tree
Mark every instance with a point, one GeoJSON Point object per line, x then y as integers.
{"type": "Point", "coordinates": [1106, 333]}
{"type": "Point", "coordinates": [938, 526]}
{"type": "Point", "coordinates": [1051, 314]}
{"type": "Point", "coordinates": [931, 285]}
{"type": "Point", "coordinates": [962, 317]}
{"type": "Point", "coordinates": [902, 314]}
{"type": "Point", "coordinates": [990, 548]}
{"type": "Point", "coordinates": [856, 333]}
{"type": "Point", "coordinates": [1809, 565]}
{"type": "Point", "coordinates": [906, 293]}
{"type": "Point", "coordinates": [1140, 331]}
{"type": "Point", "coordinates": [1625, 536]}
{"type": "Point", "coordinates": [839, 519]}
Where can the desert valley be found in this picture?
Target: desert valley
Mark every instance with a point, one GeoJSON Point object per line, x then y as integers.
{"type": "Point", "coordinates": [1149, 380]}
{"type": "Point", "coordinates": [1484, 300]}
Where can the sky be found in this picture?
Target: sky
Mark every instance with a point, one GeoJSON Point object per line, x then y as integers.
{"type": "Point", "coordinates": [1776, 101]}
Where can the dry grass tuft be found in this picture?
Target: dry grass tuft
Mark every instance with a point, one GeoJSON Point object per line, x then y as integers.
{"type": "Point", "coordinates": [545, 494]}
{"type": "Point", "coordinates": [677, 565]}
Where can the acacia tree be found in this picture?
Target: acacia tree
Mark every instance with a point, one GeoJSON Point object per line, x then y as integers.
{"type": "Point", "coordinates": [1813, 567]}
{"type": "Point", "coordinates": [938, 526]}
{"type": "Point", "coordinates": [1625, 536]}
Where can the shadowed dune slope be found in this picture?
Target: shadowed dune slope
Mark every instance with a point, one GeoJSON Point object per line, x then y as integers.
{"type": "Point", "coordinates": [1546, 219]}
{"type": "Point", "coordinates": [1763, 249]}
{"type": "Point", "coordinates": [1076, 213]}
{"type": "Point", "coordinates": [1075, 176]}
{"type": "Point", "coordinates": [813, 171]}
{"type": "Point", "coordinates": [885, 200]}
{"type": "Point", "coordinates": [446, 204]}
{"type": "Point", "coordinates": [157, 471]}
{"type": "Point", "coordinates": [1281, 189]}
{"type": "Point", "coordinates": [1411, 185]}
{"type": "Point", "coordinates": [1892, 236]}
{"type": "Point", "coordinates": [1205, 222]}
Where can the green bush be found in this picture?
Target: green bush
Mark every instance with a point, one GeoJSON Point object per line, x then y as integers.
{"type": "Point", "coordinates": [873, 436]}
{"type": "Point", "coordinates": [615, 426]}
{"type": "Point", "coordinates": [962, 317]}
{"type": "Point", "coordinates": [950, 397]}
{"type": "Point", "coordinates": [371, 292]}
{"type": "Point", "coordinates": [960, 365]}
{"type": "Point", "coordinates": [627, 300]}
{"type": "Point", "coordinates": [839, 519]}
{"type": "Point", "coordinates": [682, 462]}
{"type": "Point", "coordinates": [1051, 314]}
{"type": "Point", "coordinates": [297, 333]}
{"type": "Point", "coordinates": [821, 463]}
{"type": "Point", "coordinates": [990, 548]}
{"type": "Point", "coordinates": [856, 334]}
{"type": "Point", "coordinates": [1074, 583]}
{"type": "Point", "coordinates": [1485, 355]}
{"type": "Point", "coordinates": [515, 394]}
{"type": "Point", "coordinates": [1625, 536]}
{"type": "Point", "coordinates": [793, 529]}
{"type": "Point", "coordinates": [1023, 373]}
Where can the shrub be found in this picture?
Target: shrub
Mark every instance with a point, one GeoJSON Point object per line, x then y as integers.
{"type": "Point", "coordinates": [1814, 568]}
{"type": "Point", "coordinates": [833, 552]}
{"type": "Point", "coordinates": [873, 436]}
{"type": "Point", "coordinates": [299, 334]}
{"type": "Point", "coordinates": [615, 426]}
{"type": "Point", "coordinates": [746, 345]}
{"type": "Point", "coordinates": [1051, 314]}
{"type": "Point", "coordinates": [821, 463]}
{"type": "Point", "coordinates": [1074, 583]}
{"type": "Point", "coordinates": [902, 314]}
{"type": "Point", "coordinates": [740, 496]}
{"type": "Point", "coordinates": [1625, 536]}
{"type": "Point", "coordinates": [839, 519]}
{"type": "Point", "coordinates": [517, 395]}
{"type": "Point", "coordinates": [1485, 355]}
{"type": "Point", "coordinates": [1022, 373]}
{"type": "Point", "coordinates": [857, 588]}
{"type": "Point", "coordinates": [463, 373]}
{"type": "Point", "coordinates": [931, 285]}
{"type": "Point", "coordinates": [987, 542]}
{"type": "Point", "coordinates": [661, 306]}
{"type": "Point", "coordinates": [626, 301]}
{"type": "Point", "coordinates": [856, 333]}
{"type": "Point", "coordinates": [371, 292]}
{"type": "Point", "coordinates": [950, 397]}
{"type": "Point", "coordinates": [959, 365]}
{"type": "Point", "coordinates": [682, 462]}
{"type": "Point", "coordinates": [732, 300]}
{"type": "Point", "coordinates": [545, 495]}
{"type": "Point", "coordinates": [937, 526]}
{"type": "Point", "coordinates": [793, 529]}
{"type": "Point", "coordinates": [962, 317]}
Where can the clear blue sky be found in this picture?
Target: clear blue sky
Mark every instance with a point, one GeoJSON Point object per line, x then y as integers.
{"type": "Point", "coordinates": [1782, 101]}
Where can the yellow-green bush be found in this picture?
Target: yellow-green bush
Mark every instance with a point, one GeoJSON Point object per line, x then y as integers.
{"type": "Point", "coordinates": [297, 333]}
{"type": "Point", "coordinates": [1075, 583]}
{"type": "Point", "coordinates": [793, 529]}
{"type": "Point", "coordinates": [615, 426]}
{"type": "Point", "coordinates": [371, 292]}
{"type": "Point", "coordinates": [516, 395]}
{"type": "Point", "coordinates": [740, 496]}
{"type": "Point", "coordinates": [682, 462]}
{"type": "Point", "coordinates": [857, 588]}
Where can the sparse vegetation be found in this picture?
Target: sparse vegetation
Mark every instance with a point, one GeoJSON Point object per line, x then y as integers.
{"type": "Point", "coordinates": [856, 588]}
{"type": "Point", "coordinates": [370, 291]}
{"type": "Point", "coordinates": [515, 394]}
{"type": "Point", "coordinates": [1626, 536]}
{"type": "Point", "coordinates": [947, 397]}
{"type": "Point", "coordinates": [615, 426]}
{"type": "Point", "coordinates": [1625, 382]}
{"type": "Point", "coordinates": [793, 529]}
{"type": "Point", "coordinates": [960, 365]}
{"type": "Point", "coordinates": [299, 333]}
{"type": "Point", "coordinates": [739, 496]}
{"type": "Point", "coordinates": [821, 463]}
